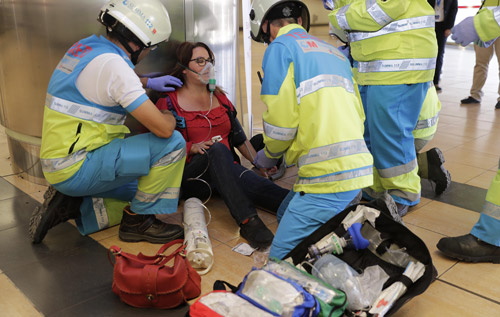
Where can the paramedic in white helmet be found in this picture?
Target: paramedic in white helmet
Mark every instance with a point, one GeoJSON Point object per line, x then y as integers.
{"type": "Point", "coordinates": [98, 176]}
{"type": "Point", "coordinates": [314, 116]}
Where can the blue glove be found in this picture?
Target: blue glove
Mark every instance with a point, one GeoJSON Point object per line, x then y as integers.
{"type": "Point", "coordinates": [464, 32]}
{"type": "Point", "coordinates": [345, 50]}
{"type": "Point", "coordinates": [162, 83]}
{"type": "Point", "coordinates": [262, 161]}
{"type": "Point", "coordinates": [328, 4]}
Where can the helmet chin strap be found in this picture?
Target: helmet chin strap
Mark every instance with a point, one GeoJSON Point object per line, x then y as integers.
{"type": "Point", "coordinates": [134, 55]}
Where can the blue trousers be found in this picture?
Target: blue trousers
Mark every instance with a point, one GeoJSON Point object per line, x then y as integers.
{"type": "Point", "coordinates": [113, 171]}
{"type": "Point", "coordinates": [301, 214]}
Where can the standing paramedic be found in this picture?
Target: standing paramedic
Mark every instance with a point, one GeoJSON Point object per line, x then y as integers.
{"type": "Point", "coordinates": [85, 156]}
{"type": "Point", "coordinates": [482, 244]}
{"type": "Point", "coordinates": [314, 116]}
{"type": "Point", "coordinates": [394, 48]}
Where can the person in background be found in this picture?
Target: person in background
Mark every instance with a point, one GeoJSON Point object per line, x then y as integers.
{"type": "Point", "coordinates": [446, 11]}
{"type": "Point", "coordinates": [482, 244]}
{"type": "Point", "coordinates": [483, 58]}
{"type": "Point", "coordinates": [84, 153]}
{"type": "Point", "coordinates": [207, 120]}
{"type": "Point", "coordinates": [394, 48]}
{"type": "Point", "coordinates": [314, 118]}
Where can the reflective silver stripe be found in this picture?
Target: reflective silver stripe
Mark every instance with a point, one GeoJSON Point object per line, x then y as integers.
{"type": "Point", "coordinates": [277, 154]}
{"type": "Point", "coordinates": [397, 170]}
{"type": "Point", "coordinates": [278, 133]}
{"type": "Point", "coordinates": [397, 65]}
{"type": "Point", "coordinates": [169, 193]}
{"type": "Point", "coordinates": [171, 158]}
{"type": "Point", "coordinates": [333, 151]}
{"type": "Point", "coordinates": [337, 177]}
{"type": "Point", "coordinates": [101, 214]}
{"type": "Point", "coordinates": [406, 195]}
{"type": "Point", "coordinates": [396, 192]}
{"type": "Point", "coordinates": [56, 164]}
{"type": "Point", "coordinates": [491, 210]}
{"type": "Point", "coordinates": [311, 85]}
{"type": "Point", "coordinates": [496, 15]}
{"type": "Point", "coordinates": [83, 111]}
{"type": "Point", "coordinates": [341, 19]}
{"type": "Point", "coordinates": [376, 12]}
{"type": "Point", "coordinates": [427, 123]}
{"type": "Point", "coordinates": [396, 26]}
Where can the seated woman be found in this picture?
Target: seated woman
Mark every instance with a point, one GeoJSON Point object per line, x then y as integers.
{"type": "Point", "coordinates": [209, 125]}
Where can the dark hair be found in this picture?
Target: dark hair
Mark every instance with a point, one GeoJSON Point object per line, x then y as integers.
{"type": "Point", "coordinates": [183, 55]}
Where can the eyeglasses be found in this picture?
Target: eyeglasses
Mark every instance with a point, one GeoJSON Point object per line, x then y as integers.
{"type": "Point", "coordinates": [202, 61]}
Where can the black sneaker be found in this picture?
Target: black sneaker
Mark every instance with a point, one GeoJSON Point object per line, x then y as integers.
{"type": "Point", "coordinates": [56, 208]}
{"type": "Point", "coordinates": [469, 100]}
{"type": "Point", "coordinates": [470, 249]}
{"type": "Point", "coordinates": [497, 106]}
{"type": "Point", "coordinates": [256, 233]}
{"type": "Point", "coordinates": [436, 170]}
{"type": "Point", "coordinates": [135, 228]}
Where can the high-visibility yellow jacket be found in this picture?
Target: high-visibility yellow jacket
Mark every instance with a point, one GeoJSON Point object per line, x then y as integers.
{"type": "Point", "coordinates": [393, 41]}
{"type": "Point", "coordinates": [487, 23]}
{"type": "Point", "coordinates": [73, 125]}
{"type": "Point", "coordinates": [314, 113]}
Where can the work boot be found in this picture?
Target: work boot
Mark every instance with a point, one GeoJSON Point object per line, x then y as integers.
{"type": "Point", "coordinates": [56, 208]}
{"type": "Point", "coordinates": [470, 249]}
{"type": "Point", "coordinates": [256, 233]}
{"type": "Point", "coordinates": [469, 100]}
{"type": "Point", "coordinates": [436, 170]}
{"type": "Point", "coordinates": [135, 228]}
{"type": "Point", "coordinates": [387, 204]}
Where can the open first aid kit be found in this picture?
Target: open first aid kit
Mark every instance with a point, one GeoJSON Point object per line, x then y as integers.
{"type": "Point", "coordinates": [361, 262]}
{"type": "Point", "coordinates": [377, 261]}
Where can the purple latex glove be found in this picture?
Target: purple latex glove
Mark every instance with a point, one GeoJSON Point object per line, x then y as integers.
{"type": "Point", "coordinates": [464, 32]}
{"type": "Point", "coordinates": [345, 50]}
{"type": "Point", "coordinates": [162, 83]}
{"type": "Point", "coordinates": [262, 161]}
{"type": "Point", "coordinates": [328, 4]}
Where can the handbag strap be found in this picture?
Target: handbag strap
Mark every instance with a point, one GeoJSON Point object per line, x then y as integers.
{"type": "Point", "coordinates": [150, 280]}
{"type": "Point", "coordinates": [159, 259]}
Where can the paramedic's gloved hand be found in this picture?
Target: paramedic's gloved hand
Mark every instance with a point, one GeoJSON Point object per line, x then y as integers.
{"type": "Point", "coordinates": [346, 50]}
{"type": "Point", "coordinates": [464, 32]}
{"type": "Point", "coordinates": [262, 161]}
{"type": "Point", "coordinates": [162, 83]}
{"type": "Point", "coordinates": [328, 4]}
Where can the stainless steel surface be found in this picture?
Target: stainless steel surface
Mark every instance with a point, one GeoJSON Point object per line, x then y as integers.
{"type": "Point", "coordinates": [35, 35]}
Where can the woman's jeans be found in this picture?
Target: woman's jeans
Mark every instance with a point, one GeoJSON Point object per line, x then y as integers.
{"type": "Point", "coordinates": [241, 189]}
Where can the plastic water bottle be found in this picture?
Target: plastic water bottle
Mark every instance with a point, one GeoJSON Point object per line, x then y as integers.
{"type": "Point", "coordinates": [198, 247]}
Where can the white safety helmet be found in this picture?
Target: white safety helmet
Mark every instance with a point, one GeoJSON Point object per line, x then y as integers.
{"type": "Point", "coordinates": [148, 20]}
{"type": "Point", "coordinates": [263, 10]}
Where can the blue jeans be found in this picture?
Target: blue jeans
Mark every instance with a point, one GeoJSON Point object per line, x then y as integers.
{"type": "Point", "coordinates": [241, 189]}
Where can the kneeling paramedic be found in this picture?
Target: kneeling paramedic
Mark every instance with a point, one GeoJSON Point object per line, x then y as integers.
{"type": "Point", "coordinates": [314, 116]}
{"type": "Point", "coordinates": [94, 171]}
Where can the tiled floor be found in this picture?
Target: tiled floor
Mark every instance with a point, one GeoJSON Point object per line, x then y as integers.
{"type": "Point", "coordinates": [70, 275]}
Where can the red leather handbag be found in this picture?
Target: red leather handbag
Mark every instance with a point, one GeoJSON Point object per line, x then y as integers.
{"type": "Point", "coordinates": [147, 281]}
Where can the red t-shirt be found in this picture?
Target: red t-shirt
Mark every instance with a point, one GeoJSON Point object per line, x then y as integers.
{"type": "Point", "coordinates": [201, 126]}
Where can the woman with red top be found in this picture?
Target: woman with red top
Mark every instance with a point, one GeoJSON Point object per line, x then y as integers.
{"type": "Point", "coordinates": [208, 122]}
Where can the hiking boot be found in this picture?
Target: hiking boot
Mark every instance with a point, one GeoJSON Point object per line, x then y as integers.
{"type": "Point", "coordinates": [470, 249]}
{"type": "Point", "coordinates": [436, 170]}
{"type": "Point", "coordinates": [56, 208]}
{"type": "Point", "coordinates": [135, 228]}
{"type": "Point", "coordinates": [256, 233]}
{"type": "Point", "coordinates": [469, 100]}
